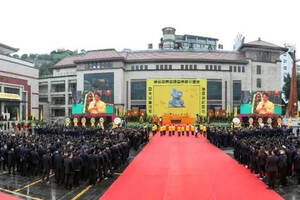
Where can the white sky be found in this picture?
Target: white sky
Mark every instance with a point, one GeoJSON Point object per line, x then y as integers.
{"type": "Point", "coordinates": [39, 26]}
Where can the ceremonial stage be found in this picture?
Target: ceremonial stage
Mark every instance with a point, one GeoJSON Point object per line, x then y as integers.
{"type": "Point", "coordinates": [186, 168]}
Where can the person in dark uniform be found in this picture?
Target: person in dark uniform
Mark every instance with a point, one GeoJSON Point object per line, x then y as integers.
{"type": "Point", "coordinates": [11, 161]}
{"type": "Point", "coordinates": [297, 166]}
{"type": "Point", "coordinates": [282, 167]}
{"type": "Point", "coordinates": [272, 169]}
{"type": "Point", "coordinates": [46, 160]}
{"type": "Point", "coordinates": [68, 171]}
{"type": "Point", "coordinates": [76, 166]}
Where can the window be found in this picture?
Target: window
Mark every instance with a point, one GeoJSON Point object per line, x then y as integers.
{"type": "Point", "coordinates": [195, 67]}
{"type": "Point", "coordinates": [237, 88]}
{"type": "Point", "coordinates": [141, 67]}
{"type": "Point", "coordinates": [170, 67]}
{"type": "Point", "coordinates": [206, 67]}
{"type": "Point", "coordinates": [182, 67]}
{"type": "Point", "coordinates": [219, 67]}
{"type": "Point", "coordinates": [138, 90]}
{"type": "Point", "coordinates": [166, 67]}
{"type": "Point", "coordinates": [132, 67]}
{"type": "Point", "coordinates": [239, 68]}
{"type": "Point", "coordinates": [146, 67]}
{"type": "Point", "coordinates": [258, 83]}
{"type": "Point", "coordinates": [214, 90]}
{"type": "Point", "coordinates": [215, 67]}
{"type": "Point", "coordinates": [243, 68]}
{"type": "Point", "coordinates": [191, 67]}
{"type": "Point", "coordinates": [234, 69]}
{"type": "Point", "coordinates": [230, 68]}
{"type": "Point", "coordinates": [137, 67]}
{"type": "Point", "coordinates": [11, 90]}
{"type": "Point", "coordinates": [157, 67]}
{"type": "Point", "coordinates": [284, 68]}
{"type": "Point", "coordinates": [210, 67]}
{"type": "Point", "coordinates": [186, 67]}
{"type": "Point", "coordinates": [161, 67]}
{"type": "Point", "coordinates": [258, 69]}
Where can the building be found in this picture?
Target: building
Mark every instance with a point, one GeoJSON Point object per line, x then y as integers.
{"type": "Point", "coordinates": [19, 81]}
{"type": "Point", "coordinates": [254, 67]}
{"type": "Point", "coordinates": [287, 64]}
{"type": "Point", "coordinates": [186, 42]}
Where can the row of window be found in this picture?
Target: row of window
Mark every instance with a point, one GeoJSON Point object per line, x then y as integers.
{"type": "Point", "coordinates": [193, 67]}
{"type": "Point", "coordinates": [237, 68]}
{"type": "Point", "coordinates": [213, 67]}
{"type": "Point", "coordinates": [139, 67]}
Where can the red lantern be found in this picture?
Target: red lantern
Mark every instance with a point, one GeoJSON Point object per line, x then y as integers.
{"type": "Point", "coordinates": [99, 92]}
{"type": "Point", "coordinates": [107, 92]}
{"type": "Point", "coordinates": [223, 113]}
{"type": "Point", "coordinates": [128, 113]}
{"type": "Point", "coordinates": [135, 113]}
{"type": "Point", "coordinates": [276, 93]}
{"type": "Point", "coordinates": [210, 113]}
{"type": "Point", "coordinates": [267, 92]}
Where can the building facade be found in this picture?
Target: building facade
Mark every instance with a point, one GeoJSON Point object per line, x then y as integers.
{"type": "Point", "coordinates": [186, 42]}
{"type": "Point", "coordinates": [254, 67]}
{"type": "Point", "coordinates": [19, 86]}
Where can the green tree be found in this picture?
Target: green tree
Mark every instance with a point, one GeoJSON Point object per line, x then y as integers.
{"type": "Point", "coordinates": [287, 85]}
{"type": "Point", "coordinates": [44, 61]}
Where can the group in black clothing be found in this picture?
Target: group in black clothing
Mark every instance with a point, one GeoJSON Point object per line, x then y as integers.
{"type": "Point", "coordinates": [272, 154]}
{"type": "Point", "coordinates": [73, 155]}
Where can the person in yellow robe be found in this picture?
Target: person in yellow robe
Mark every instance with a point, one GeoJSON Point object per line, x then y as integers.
{"type": "Point", "coordinates": [265, 106]}
{"type": "Point", "coordinates": [187, 130]}
{"type": "Point", "coordinates": [178, 130]}
{"type": "Point", "coordinates": [97, 106]}
{"type": "Point", "coordinates": [154, 129]}
{"type": "Point", "coordinates": [193, 129]}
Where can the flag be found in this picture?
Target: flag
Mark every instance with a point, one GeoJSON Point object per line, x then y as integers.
{"type": "Point", "coordinates": [18, 115]}
{"type": "Point", "coordinates": [41, 115]}
{"type": "Point", "coordinates": [235, 111]}
{"type": "Point", "coordinates": [32, 115]}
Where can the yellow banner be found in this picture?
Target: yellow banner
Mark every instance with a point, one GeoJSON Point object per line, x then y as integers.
{"type": "Point", "coordinates": [176, 96]}
{"type": "Point", "coordinates": [9, 96]}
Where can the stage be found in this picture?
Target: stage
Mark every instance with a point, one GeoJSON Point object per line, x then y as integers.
{"type": "Point", "coordinates": [171, 168]}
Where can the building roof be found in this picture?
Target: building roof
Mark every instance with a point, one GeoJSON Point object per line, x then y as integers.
{"type": "Point", "coordinates": [5, 49]}
{"type": "Point", "coordinates": [153, 56]}
{"type": "Point", "coordinates": [66, 62]}
{"type": "Point", "coordinates": [100, 55]}
{"type": "Point", "coordinates": [263, 44]}
{"type": "Point", "coordinates": [192, 56]}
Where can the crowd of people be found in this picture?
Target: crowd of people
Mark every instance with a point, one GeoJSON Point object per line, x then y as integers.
{"type": "Point", "coordinates": [273, 154]}
{"type": "Point", "coordinates": [172, 129]}
{"type": "Point", "coordinates": [72, 155]}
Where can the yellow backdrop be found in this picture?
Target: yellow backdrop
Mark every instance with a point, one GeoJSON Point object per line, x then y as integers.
{"type": "Point", "coordinates": [193, 95]}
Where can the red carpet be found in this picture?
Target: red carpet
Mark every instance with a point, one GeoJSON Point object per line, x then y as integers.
{"type": "Point", "coordinates": [186, 168]}
{"type": "Point", "coordinates": [4, 196]}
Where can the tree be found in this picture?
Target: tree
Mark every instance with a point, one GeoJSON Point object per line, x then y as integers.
{"type": "Point", "coordinates": [45, 61]}
{"type": "Point", "coordinates": [287, 85]}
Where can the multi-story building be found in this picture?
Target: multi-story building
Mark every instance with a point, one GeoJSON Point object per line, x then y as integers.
{"type": "Point", "coordinates": [186, 42]}
{"type": "Point", "coordinates": [255, 66]}
{"type": "Point", "coordinates": [19, 82]}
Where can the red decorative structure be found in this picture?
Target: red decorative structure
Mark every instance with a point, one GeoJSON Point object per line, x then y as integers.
{"type": "Point", "coordinates": [293, 99]}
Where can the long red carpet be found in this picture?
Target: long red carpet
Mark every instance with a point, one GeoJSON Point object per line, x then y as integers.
{"type": "Point", "coordinates": [4, 196]}
{"type": "Point", "coordinates": [186, 168]}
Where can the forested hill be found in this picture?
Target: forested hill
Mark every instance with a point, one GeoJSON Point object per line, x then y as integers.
{"type": "Point", "coordinates": [45, 61]}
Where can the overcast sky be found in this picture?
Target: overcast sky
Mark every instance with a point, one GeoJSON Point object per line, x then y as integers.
{"type": "Point", "coordinates": [40, 26]}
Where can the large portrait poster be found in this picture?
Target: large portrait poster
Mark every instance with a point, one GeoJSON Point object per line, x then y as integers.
{"type": "Point", "coordinates": [98, 95]}
{"type": "Point", "coordinates": [261, 102]}
{"type": "Point", "coordinates": [98, 91]}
